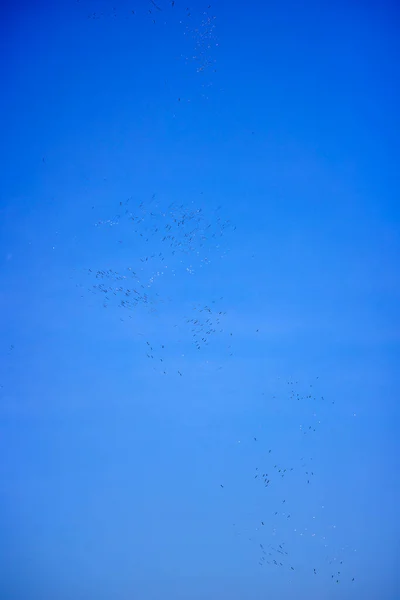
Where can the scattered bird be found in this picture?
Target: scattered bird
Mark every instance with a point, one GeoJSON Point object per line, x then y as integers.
{"type": "Point", "coordinates": [163, 234]}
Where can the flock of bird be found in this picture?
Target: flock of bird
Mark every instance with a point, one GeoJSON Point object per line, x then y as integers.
{"type": "Point", "coordinates": [198, 27]}
{"type": "Point", "coordinates": [170, 242]}
{"type": "Point", "coordinates": [175, 239]}
{"type": "Point", "coordinates": [184, 235]}
{"type": "Point", "coordinates": [273, 523]}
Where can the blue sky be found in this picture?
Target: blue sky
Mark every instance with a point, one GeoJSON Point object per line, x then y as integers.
{"type": "Point", "coordinates": [262, 336]}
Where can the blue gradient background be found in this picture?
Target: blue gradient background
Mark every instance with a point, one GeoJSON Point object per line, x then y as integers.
{"type": "Point", "coordinates": [111, 473]}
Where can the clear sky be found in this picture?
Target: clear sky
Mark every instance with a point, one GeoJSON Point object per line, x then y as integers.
{"type": "Point", "coordinates": [200, 323]}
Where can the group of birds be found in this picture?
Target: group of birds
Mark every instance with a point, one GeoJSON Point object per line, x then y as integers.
{"type": "Point", "coordinates": [176, 233]}
{"type": "Point", "coordinates": [281, 517]}
{"type": "Point", "coordinates": [198, 25]}
{"type": "Point", "coordinates": [175, 239]}
{"type": "Point", "coordinates": [182, 231]}
{"type": "Point", "coordinates": [181, 228]}
{"type": "Point", "coordinates": [165, 242]}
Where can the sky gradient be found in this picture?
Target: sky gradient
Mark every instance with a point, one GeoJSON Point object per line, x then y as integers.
{"type": "Point", "coordinates": [198, 241]}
